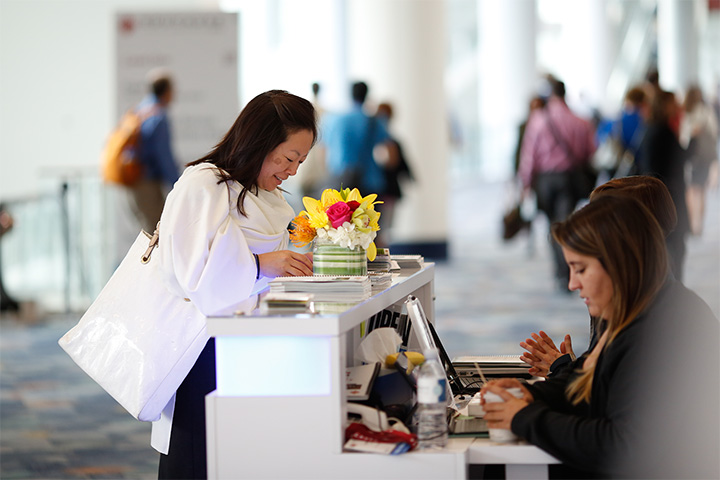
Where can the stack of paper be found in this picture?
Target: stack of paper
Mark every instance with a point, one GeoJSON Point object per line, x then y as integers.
{"type": "Point", "coordinates": [408, 261]}
{"type": "Point", "coordinates": [284, 302]}
{"type": "Point", "coordinates": [380, 280]}
{"type": "Point", "coordinates": [381, 262]}
{"type": "Point", "coordinates": [333, 307]}
{"type": "Point", "coordinates": [326, 288]}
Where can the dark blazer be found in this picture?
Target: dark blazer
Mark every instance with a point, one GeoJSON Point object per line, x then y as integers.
{"type": "Point", "coordinates": [617, 433]}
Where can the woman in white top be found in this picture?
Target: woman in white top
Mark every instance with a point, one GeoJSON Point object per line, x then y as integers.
{"type": "Point", "coordinates": [224, 233]}
{"type": "Point", "coordinates": [699, 135]}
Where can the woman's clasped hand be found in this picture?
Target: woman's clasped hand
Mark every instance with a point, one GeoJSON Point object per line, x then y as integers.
{"type": "Point", "coordinates": [500, 414]}
{"type": "Point", "coordinates": [541, 352]}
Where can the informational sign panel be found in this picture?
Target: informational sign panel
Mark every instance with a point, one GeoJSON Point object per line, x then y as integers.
{"type": "Point", "coordinates": [200, 50]}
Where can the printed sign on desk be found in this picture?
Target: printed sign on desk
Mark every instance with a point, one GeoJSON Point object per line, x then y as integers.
{"type": "Point", "coordinates": [395, 317]}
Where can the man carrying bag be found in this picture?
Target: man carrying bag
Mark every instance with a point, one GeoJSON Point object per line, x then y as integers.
{"type": "Point", "coordinates": [555, 163]}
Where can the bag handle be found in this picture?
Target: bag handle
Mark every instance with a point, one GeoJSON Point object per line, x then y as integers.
{"type": "Point", "coordinates": [154, 240]}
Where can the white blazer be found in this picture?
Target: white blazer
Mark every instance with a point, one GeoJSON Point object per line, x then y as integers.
{"type": "Point", "coordinates": [206, 249]}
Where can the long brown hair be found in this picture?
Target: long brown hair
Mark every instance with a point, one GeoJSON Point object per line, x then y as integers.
{"type": "Point", "coordinates": [650, 191]}
{"type": "Point", "coordinates": [662, 108]}
{"type": "Point", "coordinates": [629, 244]}
{"type": "Point", "coordinates": [265, 122]}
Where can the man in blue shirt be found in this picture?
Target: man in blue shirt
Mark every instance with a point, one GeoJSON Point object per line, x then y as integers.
{"type": "Point", "coordinates": [349, 139]}
{"type": "Point", "coordinates": [160, 172]}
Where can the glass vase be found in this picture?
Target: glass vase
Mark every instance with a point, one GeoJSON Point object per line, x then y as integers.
{"type": "Point", "coordinates": [331, 259]}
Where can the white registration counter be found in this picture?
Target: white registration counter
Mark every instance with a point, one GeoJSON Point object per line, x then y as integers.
{"type": "Point", "coordinates": [279, 410]}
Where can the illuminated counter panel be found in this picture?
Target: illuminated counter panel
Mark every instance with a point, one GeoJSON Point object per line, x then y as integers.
{"type": "Point", "coordinates": [271, 366]}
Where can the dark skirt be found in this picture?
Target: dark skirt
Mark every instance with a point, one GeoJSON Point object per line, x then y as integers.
{"type": "Point", "coordinates": [187, 455]}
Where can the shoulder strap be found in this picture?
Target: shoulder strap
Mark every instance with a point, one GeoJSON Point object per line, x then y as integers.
{"type": "Point", "coordinates": [559, 139]}
{"type": "Point", "coordinates": [154, 240]}
{"type": "Point", "coordinates": [146, 111]}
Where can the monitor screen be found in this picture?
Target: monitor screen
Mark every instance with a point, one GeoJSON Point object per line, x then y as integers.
{"type": "Point", "coordinates": [420, 324]}
{"type": "Point", "coordinates": [429, 340]}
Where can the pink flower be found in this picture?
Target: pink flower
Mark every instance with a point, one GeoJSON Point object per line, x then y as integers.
{"type": "Point", "coordinates": [339, 213]}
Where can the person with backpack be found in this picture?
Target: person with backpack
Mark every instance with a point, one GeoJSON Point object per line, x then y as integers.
{"type": "Point", "coordinates": [151, 150]}
{"type": "Point", "coordinates": [396, 169]}
{"type": "Point", "coordinates": [349, 139]}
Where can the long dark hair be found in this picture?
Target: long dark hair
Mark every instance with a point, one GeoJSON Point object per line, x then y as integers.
{"type": "Point", "coordinates": [265, 122]}
{"type": "Point", "coordinates": [661, 108]}
{"type": "Point", "coordinates": [627, 240]}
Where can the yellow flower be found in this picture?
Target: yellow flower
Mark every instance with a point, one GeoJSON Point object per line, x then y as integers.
{"type": "Point", "coordinates": [364, 217]}
{"type": "Point", "coordinates": [302, 233]}
{"type": "Point", "coordinates": [374, 218]}
{"type": "Point", "coordinates": [330, 197]}
{"type": "Point", "coordinates": [347, 195]}
{"type": "Point", "coordinates": [371, 252]}
{"type": "Point", "coordinates": [315, 212]}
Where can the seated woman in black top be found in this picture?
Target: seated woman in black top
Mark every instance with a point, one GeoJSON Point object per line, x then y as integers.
{"type": "Point", "coordinates": [591, 415]}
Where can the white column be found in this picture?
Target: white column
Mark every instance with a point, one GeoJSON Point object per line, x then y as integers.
{"type": "Point", "coordinates": [507, 79]}
{"type": "Point", "coordinates": [677, 44]}
{"type": "Point", "coordinates": [588, 50]}
{"type": "Point", "coordinates": [398, 48]}
{"type": "Point", "coordinates": [275, 52]}
{"type": "Point", "coordinates": [334, 67]}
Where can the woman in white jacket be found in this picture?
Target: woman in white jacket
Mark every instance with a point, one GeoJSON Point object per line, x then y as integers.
{"type": "Point", "coordinates": [224, 233]}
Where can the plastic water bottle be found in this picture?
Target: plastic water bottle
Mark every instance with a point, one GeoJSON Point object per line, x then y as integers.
{"type": "Point", "coordinates": [432, 403]}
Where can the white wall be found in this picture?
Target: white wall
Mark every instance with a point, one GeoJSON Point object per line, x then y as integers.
{"type": "Point", "coordinates": [57, 87]}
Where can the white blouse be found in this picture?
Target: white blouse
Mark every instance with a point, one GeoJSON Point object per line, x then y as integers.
{"type": "Point", "coordinates": [206, 249]}
{"type": "Point", "coordinates": [206, 245]}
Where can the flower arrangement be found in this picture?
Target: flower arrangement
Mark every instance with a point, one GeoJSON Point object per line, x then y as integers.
{"type": "Point", "coordinates": [342, 217]}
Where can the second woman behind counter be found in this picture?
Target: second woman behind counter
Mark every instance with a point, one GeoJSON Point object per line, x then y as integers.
{"type": "Point", "coordinates": [612, 412]}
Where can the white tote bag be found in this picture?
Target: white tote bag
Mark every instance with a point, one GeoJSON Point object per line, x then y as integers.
{"type": "Point", "coordinates": [137, 340]}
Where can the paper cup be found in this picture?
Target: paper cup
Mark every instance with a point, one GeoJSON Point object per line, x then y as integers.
{"type": "Point", "coordinates": [502, 435]}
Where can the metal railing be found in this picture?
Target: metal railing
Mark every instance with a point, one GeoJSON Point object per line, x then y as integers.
{"type": "Point", "coordinates": [63, 245]}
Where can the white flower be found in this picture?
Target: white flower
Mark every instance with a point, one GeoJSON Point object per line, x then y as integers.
{"type": "Point", "coordinates": [347, 236]}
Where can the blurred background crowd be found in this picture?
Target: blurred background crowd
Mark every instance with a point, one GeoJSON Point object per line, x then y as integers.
{"type": "Point", "coordinates": [451, 84]}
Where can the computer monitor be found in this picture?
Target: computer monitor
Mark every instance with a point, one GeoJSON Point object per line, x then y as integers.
{"type": "Point", "coordinates": [420, 324]}
{"type": "Point", "coordinates": [428, 339]}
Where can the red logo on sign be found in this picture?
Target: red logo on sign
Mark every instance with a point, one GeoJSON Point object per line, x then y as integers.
{"type": "Point", "coordinates": [127, 24]}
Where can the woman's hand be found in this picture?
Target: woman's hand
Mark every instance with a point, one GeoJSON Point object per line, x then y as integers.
{"type": "Point", "coordinates": [542, 352]}
{"type": "Point", "coordinates": [500, 414]}
{"type": "Point", "coordinates": [566, 347]}
{"type": "Point", "coordinates": [285, 263]}
{"type": "Point", "coordinates": [505, 383]}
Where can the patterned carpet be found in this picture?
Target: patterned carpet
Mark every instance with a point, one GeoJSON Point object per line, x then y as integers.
{"type": "Point", "coordinates": [56, 423]}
